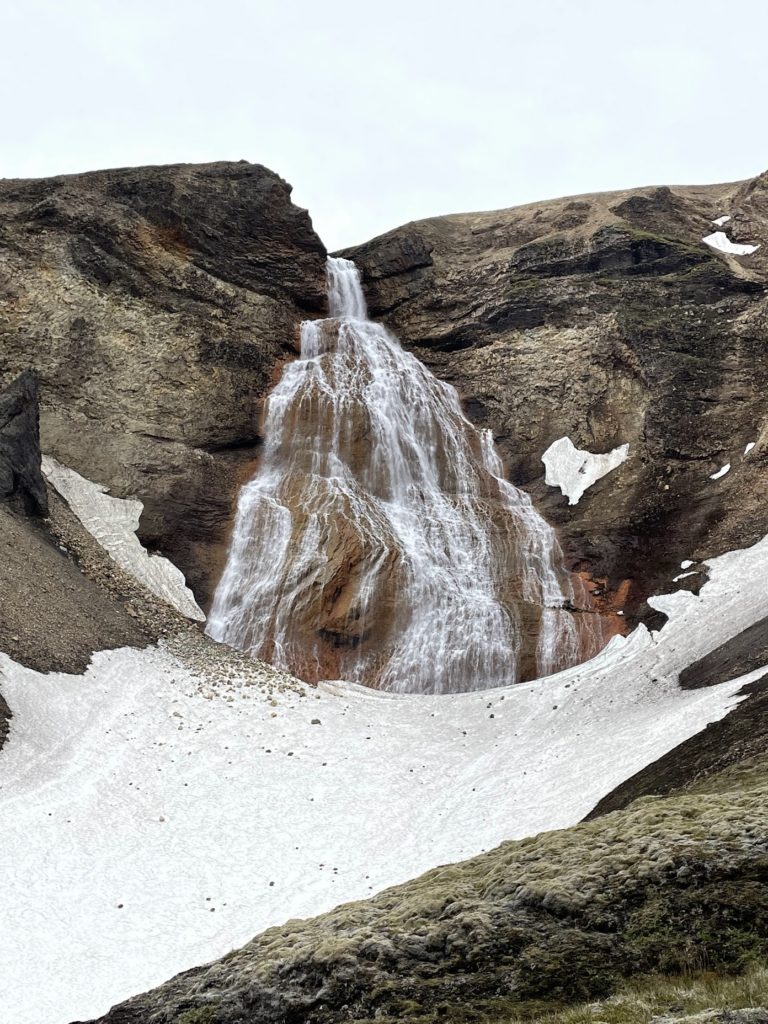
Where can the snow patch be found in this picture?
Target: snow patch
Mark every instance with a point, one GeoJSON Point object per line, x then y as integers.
{"type": "Point", "coordinates": [113, 522]}
{"type": "Point", "coordinates": [720, 241]}
{"type": "Point", "coordinates": [719, 221]}
{"type": "Point", "coordinates": [154, 817]}
{"type": "Point", "coordinates": [573, 470]}
{"type": "Point", "coordinates": [749, 447]}
{"type": "Point", "coordinates": [686, 564]}
{"type": "Point", "coordinates": [721, 472]}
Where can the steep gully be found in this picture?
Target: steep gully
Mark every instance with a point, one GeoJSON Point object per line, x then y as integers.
{"type": "Point", "coordinates": [379, 541]}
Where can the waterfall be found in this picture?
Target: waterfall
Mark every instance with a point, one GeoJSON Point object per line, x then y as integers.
{"type": "Point", "coordinates": [379, 540]}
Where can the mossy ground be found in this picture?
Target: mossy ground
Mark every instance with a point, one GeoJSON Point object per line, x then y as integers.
{"type": "Point", "coordinates": [200, 1015]}
{"type": "Point", "coordinates": [636, 1002]}
{"type": "Point", "coordinates": [673, 886]}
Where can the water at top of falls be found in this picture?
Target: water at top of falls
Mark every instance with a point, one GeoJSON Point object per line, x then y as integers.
{"type": "Point", "coordinates": [379, 541]}
{"type": "Point", "coordinates": [345, 291]}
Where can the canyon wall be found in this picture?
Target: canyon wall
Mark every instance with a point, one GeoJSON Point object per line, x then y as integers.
{"type": "Point", "coordinates": [157, 305]}
{"type": "Point", "coordinates": [604, 318]}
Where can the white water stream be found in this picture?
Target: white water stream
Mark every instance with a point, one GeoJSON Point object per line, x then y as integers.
{"type": "Point", "coordinates": [379, 541]}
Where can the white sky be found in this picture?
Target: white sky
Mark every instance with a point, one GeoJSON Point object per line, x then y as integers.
{"type": "Point", "coordinates": [380, 113]}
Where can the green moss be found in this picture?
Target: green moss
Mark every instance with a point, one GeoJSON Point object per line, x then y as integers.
{"type": "Point", "coordinates": [199, 1015]}
{"type": "Point", "coordinates": [633, 1002]}
{"type": "Point", "coordinates": [521, 285]}
{"type": "Point", "coordinates": [648, 996]}
{"type": "Point", "coordinates": [670, 885]}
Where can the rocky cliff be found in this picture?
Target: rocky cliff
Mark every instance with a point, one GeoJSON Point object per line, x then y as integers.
{"type": "Point", "coordinates": [607, 319]}
{"type": "Point", "coordinates": [157, 305]}
{"type": "Point", "coordinates": [60, 597]}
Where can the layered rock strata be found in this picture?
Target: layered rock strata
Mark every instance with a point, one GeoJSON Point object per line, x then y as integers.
{"type": "Point", "coordinates": [606, 319]}
{"type": "Point", "coordinates": [156, 305]}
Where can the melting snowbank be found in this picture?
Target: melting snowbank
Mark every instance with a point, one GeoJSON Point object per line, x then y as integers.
{"type": "Point", "coordinates": [720, 241]}
{"type": "Point", "coordinates": [573, 469]}
{"type": "Point", "coordinates": [155, 815]}
{"type": "Point", "coordinates": [114, 522]}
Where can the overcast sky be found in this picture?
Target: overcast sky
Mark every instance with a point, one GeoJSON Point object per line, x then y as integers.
{"type": "Point", "coordinates": [383, 112]}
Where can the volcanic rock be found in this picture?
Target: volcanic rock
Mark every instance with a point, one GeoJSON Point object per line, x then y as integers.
{"type": "Point", "coordinates": [21, 481]}
{"type": "Point", "coordinates": [603, 318]}
{"type": "Point", "coordinates": [157, 305]}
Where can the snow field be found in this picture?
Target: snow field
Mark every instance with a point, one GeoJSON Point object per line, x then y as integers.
{"type": "Point", "coordinates": [154, 816]}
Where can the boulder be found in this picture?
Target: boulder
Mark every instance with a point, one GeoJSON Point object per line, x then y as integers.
{"type": "Point", "coordinates": [21, 480]}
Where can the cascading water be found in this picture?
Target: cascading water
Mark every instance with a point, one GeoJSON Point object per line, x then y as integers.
{"type": "Point", "coordinates": [379, 541]}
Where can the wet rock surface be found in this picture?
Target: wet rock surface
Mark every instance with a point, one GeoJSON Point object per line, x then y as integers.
{"type": "Point", "coordinates": [399, 557]}
{"type": "Point", "coordinates": [606, 319]}
{"type": "Point", "coordinates": [157, 305]}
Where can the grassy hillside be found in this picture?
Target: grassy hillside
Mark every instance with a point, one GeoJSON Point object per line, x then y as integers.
{"type": "Point", "coordinates": [669, 886]}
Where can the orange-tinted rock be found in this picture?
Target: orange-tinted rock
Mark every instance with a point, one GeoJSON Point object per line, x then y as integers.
{"type": "Point", "coordinates": [379, 541]}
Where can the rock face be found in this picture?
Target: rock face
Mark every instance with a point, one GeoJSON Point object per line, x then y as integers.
{"type": "Point", "coordinates": [604, 318]}
{"type": "Point", "coordinates": [52, 616]}
{"type": "Point", "coordinates": [21, 481]}
{"type": "Point", "coordinates": [157, 305]}
{"type": "Point", "coordinates": [744, 653]}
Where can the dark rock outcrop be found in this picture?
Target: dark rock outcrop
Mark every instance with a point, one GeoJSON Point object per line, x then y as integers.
{"type": "Point", "coordinates": [741, 735]}
{"type": "Point", "coordinates": [605, 318]}
{"type": "Point", "coordinates": [52, 616]}
{"type": "Point", "coordinates": [157, 305]}
{"type": "Point", "coordinates": [746, 652]}
{"type": "Point", "coordinates": [5, 718]}
{"type": "Point", "coordinates": [21, 480]}
{"type": "Point", "coordinates": [61, 596]}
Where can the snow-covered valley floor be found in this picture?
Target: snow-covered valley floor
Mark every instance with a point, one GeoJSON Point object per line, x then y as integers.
{"type": "Point", "coordinates": [152, 817]}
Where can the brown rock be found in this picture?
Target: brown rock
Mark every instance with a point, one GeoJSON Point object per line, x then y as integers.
{"type": "Point", "coordinates": [156, 304]}
{"type": "Point", "coordinates": [604, 318]}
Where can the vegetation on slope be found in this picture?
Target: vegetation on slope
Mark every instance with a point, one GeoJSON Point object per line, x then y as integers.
{"type": "Point", "coordinates": [640, 1000]}
{"type": "Point", "coordinates": [669, 885]}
